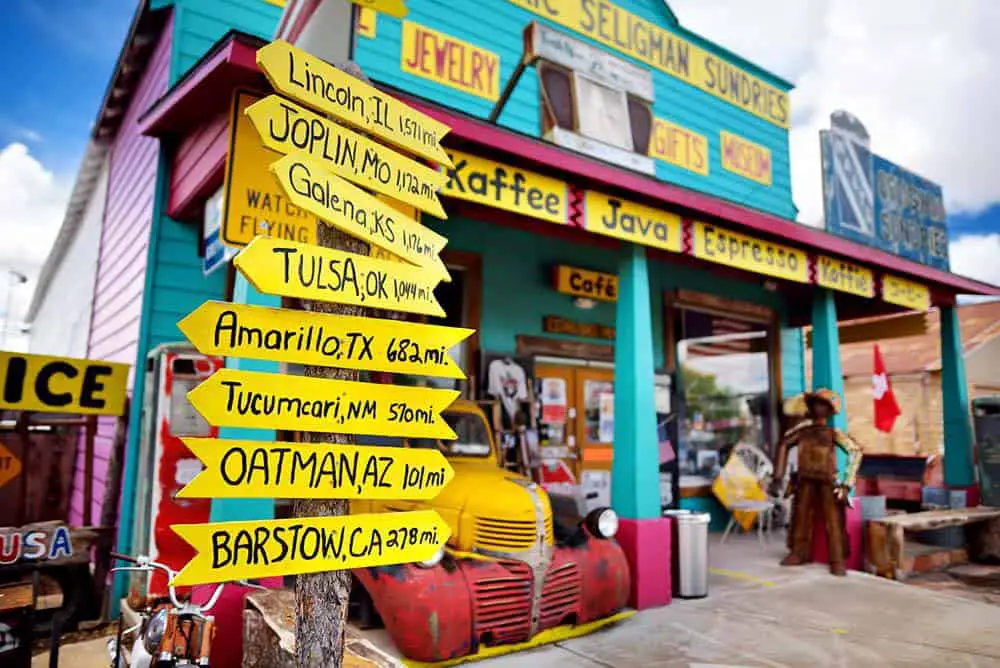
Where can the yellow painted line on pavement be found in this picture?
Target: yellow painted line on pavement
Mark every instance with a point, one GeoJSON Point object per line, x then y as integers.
{"type": "Point", "coordinates": [739, 575]}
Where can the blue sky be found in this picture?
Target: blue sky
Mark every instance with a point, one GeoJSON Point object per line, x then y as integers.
{"type": "Point", "coordinates": [58, 56]}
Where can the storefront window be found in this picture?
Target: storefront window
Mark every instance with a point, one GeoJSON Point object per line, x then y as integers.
{"type": "Point", "coordinates": [599, 410]}
{"type": "Point", "coordinates": [726, 381]}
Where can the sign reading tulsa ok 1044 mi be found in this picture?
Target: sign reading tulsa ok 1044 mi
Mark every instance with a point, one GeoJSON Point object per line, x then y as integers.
{"type": "Point", "coordinates": [289, 269]}
{"type": "Point", "coordinates": [272, 548]}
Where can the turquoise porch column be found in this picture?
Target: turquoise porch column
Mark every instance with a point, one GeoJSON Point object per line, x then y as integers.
{"type": "Point", "coordinates": [958, 439]}
{"type": "Point", "coordinates": [635, 478]}
{"type": "Point", "coordinates": [227, 510]}
{"type": "Point", "coordinates": [826, 370]}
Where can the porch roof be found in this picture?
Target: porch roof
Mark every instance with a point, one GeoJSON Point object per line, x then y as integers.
{"type": "Point", "coordinates": [232, 63]}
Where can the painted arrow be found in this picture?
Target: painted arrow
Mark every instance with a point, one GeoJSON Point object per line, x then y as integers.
{"type": "Point", "coordinates": [303, 337]}
{"type": "Point", "coordinates": [226, 551]}
{"type": "Point", "coordinates": [286, 127]}
{"type": "Point", "coordinates": [231, 398]}
{"type": "Point", "coordinates": [260, 470]}
{"type": "Point", "coordinates": [311, 187]}
{"type": "Point", "coordinates": [291, 269]}
{"type": "Point", "coordinates": [315, 83]}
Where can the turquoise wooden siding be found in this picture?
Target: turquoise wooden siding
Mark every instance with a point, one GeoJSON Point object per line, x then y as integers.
{"type": "Point", "coordinates": [198, 24]}
{"type": "Point", "coordinates": [497, 26]}
{"type": "Point", "coordinates": [518, 292]}
{"type": "Point", "coordinates": [793, 362]}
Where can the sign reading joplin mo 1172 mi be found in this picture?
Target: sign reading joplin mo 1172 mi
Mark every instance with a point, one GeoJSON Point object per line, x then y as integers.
{"type": "Point", "coordinates": [324, 172]}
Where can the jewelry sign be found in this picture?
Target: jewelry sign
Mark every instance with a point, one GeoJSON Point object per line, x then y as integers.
{"type": "Point", "coordinates": [329, 171]}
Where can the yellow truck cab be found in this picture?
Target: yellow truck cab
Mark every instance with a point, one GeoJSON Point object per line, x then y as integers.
{"type": "Point", "coordinates": [504, 577]}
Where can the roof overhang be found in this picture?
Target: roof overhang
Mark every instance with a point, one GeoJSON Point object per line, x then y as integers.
{"type": "Point", "coordinates": [207, 87]}
{"type": "Point", "coordinates": [232, 64]}
{"type": "Point", "coordinates": [586, 170]}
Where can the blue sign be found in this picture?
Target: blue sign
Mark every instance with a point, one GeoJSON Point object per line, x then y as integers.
{"type": "Point", "coordinates": [873, 201]}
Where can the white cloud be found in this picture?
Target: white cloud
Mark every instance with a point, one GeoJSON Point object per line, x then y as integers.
{"type": "Point", "coordinates": [32, 203]}
{"type": "Point", "coordinates": [922, 75]}
{"type": "Point", "coordinates": [975, 256]}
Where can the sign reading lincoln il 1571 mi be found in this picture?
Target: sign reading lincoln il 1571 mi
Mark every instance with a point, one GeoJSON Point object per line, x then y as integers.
{"type": "Point", "coordinates": [286, 127]}
{"type": "Point", "coordinates": [313, 82]}
{"type": "Point", "coordinates": [61, 384]}
{"type": "Point", "coordinates": [273, 548]}
{"type": "Point", "coordinates": [301, 337]}
{"type": "Point", "coordinates": [310, 186]}
{"type": "Point", "coordinates": [231, 398]}
{"type": "Point", "coordinates": [262, 470]}
{"type": "Point", "coordinates": [313, 272]}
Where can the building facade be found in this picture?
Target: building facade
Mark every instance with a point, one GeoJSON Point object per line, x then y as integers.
{"type": "Point", "coordinates": [620, 230]}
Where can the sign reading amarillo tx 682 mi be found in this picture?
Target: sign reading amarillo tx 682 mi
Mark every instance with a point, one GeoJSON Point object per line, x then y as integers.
{"type": "Point", "coordinates": [290, 269]}
{"type": "Point", "coordinates": [301, 337]}
{"type": "Point", "coordinates": [259, 470]}
{"type": "Point", "coordinates": [61, 384]}
{"type": "Point", "coordinates": [272, 548]}
{"type": "Point", "coordinates": [231, 398]}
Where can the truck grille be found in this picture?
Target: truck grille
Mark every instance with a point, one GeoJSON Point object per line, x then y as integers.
{"type": "Point", "coordinates": [502, 605]}
{"type": "Point", "coordinates": [499, 535]}
{"type": "Point", "coordinates": [560, 595]}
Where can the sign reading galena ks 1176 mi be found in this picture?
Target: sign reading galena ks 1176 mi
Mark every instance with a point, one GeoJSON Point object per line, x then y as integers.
{"type": "Point", "coordinates": [876, 202]}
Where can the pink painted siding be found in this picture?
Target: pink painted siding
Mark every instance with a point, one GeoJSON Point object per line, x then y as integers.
{"type": "Point", "coordinates": [121, 268]}
{"type": "Point", "coordinates": [198, 165]}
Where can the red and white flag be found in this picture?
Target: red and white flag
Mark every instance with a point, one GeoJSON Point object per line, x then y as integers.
{"type": "Point", "coordinates": [886, 408]}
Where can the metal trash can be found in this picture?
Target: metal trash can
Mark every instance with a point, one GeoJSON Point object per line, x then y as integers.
{"type": "Point", "coordinates": [675, 571]}
{"type": "Point", "coordinates": [692, 554]}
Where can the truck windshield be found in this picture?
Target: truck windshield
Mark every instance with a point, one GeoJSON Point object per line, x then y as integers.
{"type": "Point", "coordinates": [473, 439]}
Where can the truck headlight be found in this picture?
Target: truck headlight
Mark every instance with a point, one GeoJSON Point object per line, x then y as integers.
{"type": "Point", "coordinates": [602, 522]}
{"type": "Point", "coordinates": [434, 560]}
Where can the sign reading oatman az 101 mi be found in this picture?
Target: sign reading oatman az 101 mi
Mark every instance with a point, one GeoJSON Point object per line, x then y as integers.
{"type": "Point", "coordinates": [320, 158]}
{"type": "Point", "coordinates": [876, 202]}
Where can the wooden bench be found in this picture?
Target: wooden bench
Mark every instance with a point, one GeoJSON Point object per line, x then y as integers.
{"type": "Point", "coordinates": [886, 537]}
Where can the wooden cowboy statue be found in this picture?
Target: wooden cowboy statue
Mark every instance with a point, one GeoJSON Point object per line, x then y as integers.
{"type": "Point", "coordinates": [818, 486]}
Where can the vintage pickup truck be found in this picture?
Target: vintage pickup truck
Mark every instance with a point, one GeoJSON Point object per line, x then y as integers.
{"type": "Point", "coordinates": [512, 575]}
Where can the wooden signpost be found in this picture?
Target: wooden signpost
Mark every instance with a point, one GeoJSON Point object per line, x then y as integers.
{"type": "Point", "coordinates": [328, 170]}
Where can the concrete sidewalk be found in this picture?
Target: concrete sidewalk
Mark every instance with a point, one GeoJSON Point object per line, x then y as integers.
{"type": "Point", "coordinates": [760, 614]}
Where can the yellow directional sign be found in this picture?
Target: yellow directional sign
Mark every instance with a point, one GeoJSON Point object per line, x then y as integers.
{"type": "Point", "coordinates": [272, 548]}
{"type": "Point", "coordinates": [316, 83]}
{"type": "Point", "coordinates": [302, 337]}
{"type": "Point", "coordinates": [311, 187]}
{"type": "Point", "coordinates": [286, 127]}
{"type": "Point", "coordinates": [231, 398]}
{"type": "Point", "coordinates": [259, 470]}
{"type": "Point", "coordinates": [394, 8]}
{"type": "Point", "coordinates": [290, 269]}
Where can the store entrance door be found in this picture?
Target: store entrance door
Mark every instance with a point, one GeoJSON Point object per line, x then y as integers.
{"type": "Point", "coordinates": [577, 432]}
